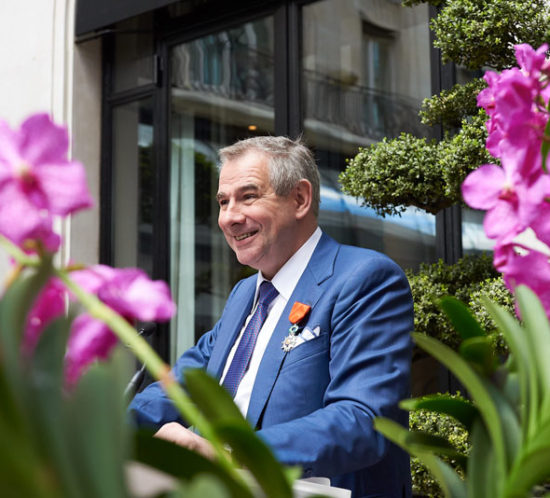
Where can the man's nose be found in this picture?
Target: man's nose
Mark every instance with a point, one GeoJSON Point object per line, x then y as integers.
{"type": "Point", "coordinates": [231, 214]}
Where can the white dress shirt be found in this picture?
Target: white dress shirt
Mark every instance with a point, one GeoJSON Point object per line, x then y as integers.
{"type": "Point", "coordinates": [285, 280]}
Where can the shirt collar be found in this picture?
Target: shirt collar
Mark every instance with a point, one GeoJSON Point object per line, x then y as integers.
{"type": "Point", "coordinates": [286, 279]}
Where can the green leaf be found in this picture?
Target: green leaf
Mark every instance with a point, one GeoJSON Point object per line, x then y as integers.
{"type": "Point", "coordinates": [201, 487]}
{"type": "Point", "coordinates": [22, 468]}
{"type": "Point", "coordinates": [256, 456]}
{"type": "Point", "coordinates": [461, 317]}
{"type": "Point", "coordinates": [526, 368]}
{"type": "Point", "coordinates": [537, 334]}
{"type": "Point", "coordinates": [542, 440]}
{"type": "Point", "coordinates": [219, 408]}
{"type": "Point", "coordinates": [480, 353]}
{"type": "Point", "coordinates": [448, 479]}
{"type": "Point", "coordinates": [45, 375]}
{"type": "Point", "coordinates": [97, 428]}
{"type": "Point", "coordinates": [510, 423]}
{"type": "Point", "coordinates": [426, 442]}
{"type": "Point", "coordinates": [462, 410]}
{"type": "Point", "coordinates": [532, 469]}
{"type": "Point", "coordinates": [511, 389]}
{"type": "Point", "coordinates": [477, 388]}
{"type": "Point", "coordinates": [14, 307]}
{"type": "Point", "coordinates": [212, 399]}
{"type": "Point", "coordinates": [481, 465]}
{"type": "Point", "coordinates": [182, 463]}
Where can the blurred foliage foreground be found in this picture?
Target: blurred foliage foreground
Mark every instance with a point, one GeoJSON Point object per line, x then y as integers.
{"type": "Point", "coordinates": [75, 441]}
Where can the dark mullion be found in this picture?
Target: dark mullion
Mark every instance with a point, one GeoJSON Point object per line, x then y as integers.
{"type": "Point", "coordinates": [106, 168]}
{"type": "Point", "coordinates": [295, 116]}
{"type": "Point", "coordinates": [281, 71]}
{"type": "Point", "coordinates": [161, 206]}
{"type": "Point", "coordinates": [448, 223]}
{"type": "Point", "coordinates": [287, 93]}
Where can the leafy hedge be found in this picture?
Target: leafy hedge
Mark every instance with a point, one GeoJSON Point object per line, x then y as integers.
{"type": "Point", "coordinates": [467, 280]}
{"type": "Point", "coordinates": [443, 426]}
{"type": "Point", "coordinates": [408, 171]}
{"type": "Point", "coordinates": [451, 107]}
{"type": "Point", "coordinates": [479, 33]}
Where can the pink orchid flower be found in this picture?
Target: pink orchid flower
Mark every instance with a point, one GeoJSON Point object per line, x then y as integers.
{"type": "Point", "coordinates": [128, 291]}
{"type": "Point", "coordinates": [531, 269]}
{"type": "Point", "coordinates": [37, 179]}
{"type": "Point", "coordinates": [532, 62]}
{"type": "Point", "coordinates": [510, 201]}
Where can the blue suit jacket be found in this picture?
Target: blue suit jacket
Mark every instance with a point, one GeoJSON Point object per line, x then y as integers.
{"type": "Point", "coordinates": [315, 404]}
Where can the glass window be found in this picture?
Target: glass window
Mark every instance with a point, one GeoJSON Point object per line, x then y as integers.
{"type": "Point", "coordinates": [364, 76]}
{"type": "Point", "coordinates": [134, 62]}
{"type": "Point", "coordinates": [133, 183]}
{"type": "Point", "coordinates": [474, 239]}
{"type": "Point", "coordinates": [221, 91]}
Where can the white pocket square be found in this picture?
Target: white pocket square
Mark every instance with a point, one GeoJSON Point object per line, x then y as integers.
{"type": "Point", "coordinates": [291, 340]}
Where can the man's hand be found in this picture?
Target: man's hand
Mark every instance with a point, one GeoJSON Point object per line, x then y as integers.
{"type": "Point", "coordinates": [177, 433]}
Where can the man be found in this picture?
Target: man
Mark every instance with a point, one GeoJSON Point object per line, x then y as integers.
{"type": "Point", "coordinates": [334, 350]}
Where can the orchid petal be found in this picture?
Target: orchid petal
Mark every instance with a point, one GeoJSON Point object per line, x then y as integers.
{"type": "Point", "coordinates": [90, 339]}
{"type": "Point", "coordinates": [65, 187]}
{"type": "Point", "coordinates": [13, 225]}
{"type": "Point", "coordinates": [482, 186]}
{"type": "Point", "coordinates": [43, 142]}
{"type": "Point", "coordinates": [134, 295]}
{"type": "Point", "coordinates": [501, 222]}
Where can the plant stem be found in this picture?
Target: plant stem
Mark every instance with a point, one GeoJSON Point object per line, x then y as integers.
{"type": "Point", "coordinates": [22, 258]}
{"type": "Point", "coordinates": [160, 370]}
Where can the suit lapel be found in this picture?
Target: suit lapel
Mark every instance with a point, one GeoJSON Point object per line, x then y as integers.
{"type": "Point", "coordinates": [233, 320]}
{"type": "Point", "coordinates": [307, 291]}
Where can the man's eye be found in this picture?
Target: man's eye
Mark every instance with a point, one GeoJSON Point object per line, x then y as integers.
{"type": "Point", "coordinates": [222, 202]}
{"type": "Point", "coordinates": [249, 196]}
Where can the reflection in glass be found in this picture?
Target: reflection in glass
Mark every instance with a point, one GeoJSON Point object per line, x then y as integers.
{"type": "Point", "coordinates": [132, 194]}
{"type": "Point", "coordinates": [364, 76]}
{"type": "Point", "coordinates": [221, 91]}
{"type": "Point", "coordinates": [134, 53]}
{"type": "Point", "coordinates": [474, 239]}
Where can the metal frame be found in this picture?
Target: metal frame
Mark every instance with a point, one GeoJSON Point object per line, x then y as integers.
{"type": "Point", "coordinates": [448, 223]}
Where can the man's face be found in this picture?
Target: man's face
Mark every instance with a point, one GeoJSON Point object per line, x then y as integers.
{"type": "Point", "coordinates": [258, 225]}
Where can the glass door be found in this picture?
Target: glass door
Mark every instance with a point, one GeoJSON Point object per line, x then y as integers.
{"type": "Point", "coordinates": [221, 90]}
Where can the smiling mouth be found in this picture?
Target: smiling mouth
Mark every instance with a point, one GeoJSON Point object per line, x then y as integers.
{"type": "Point", "coordinates": [245, 235]}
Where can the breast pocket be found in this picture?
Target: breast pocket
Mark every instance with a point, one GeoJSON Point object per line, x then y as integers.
{"type": "Point", "coordinates": [307, 350]}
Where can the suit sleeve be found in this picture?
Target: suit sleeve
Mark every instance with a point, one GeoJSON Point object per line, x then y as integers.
{"type": "Point", "coordinates": [152, 407]}
{"type": "Point", "coordinates": [371, 317]}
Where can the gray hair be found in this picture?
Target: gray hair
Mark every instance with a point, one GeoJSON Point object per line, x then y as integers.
{"type": "Point", "coordinates": [290, 161]}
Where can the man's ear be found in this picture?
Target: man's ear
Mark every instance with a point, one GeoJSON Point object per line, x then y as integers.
{"type": "Point", "coordinates": [303, 198]}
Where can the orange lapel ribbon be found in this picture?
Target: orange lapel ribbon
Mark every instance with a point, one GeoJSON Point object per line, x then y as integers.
{"type": "Point", "coordinates": [298, 312]}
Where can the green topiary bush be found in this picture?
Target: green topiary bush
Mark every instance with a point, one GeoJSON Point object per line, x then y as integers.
{"type": "Point", "coordinates": [479, 33]}
{"type": "Point", "coordinates": [468, 279]}
{"type": "Point", "coordinates": [451, 107]}
{"type": "Point", "coordinates": [408, 171]}
{"type": "Point", "coordinates": [436, 424]}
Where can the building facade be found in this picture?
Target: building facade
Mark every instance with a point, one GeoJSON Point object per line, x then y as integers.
{"type": "Point", "coordinates": [151, 89]}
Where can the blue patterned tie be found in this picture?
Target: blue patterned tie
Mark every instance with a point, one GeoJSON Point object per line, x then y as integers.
{"type": "Point", "coordinates": [239, 364]}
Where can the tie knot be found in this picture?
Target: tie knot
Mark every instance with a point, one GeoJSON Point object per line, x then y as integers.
{"type": "Point", "coordinates": [267, 293]}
